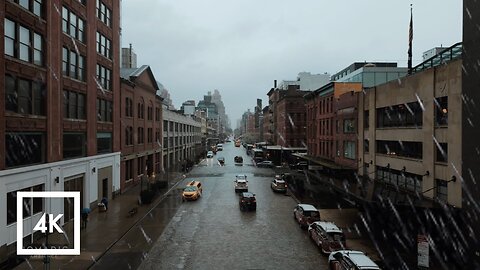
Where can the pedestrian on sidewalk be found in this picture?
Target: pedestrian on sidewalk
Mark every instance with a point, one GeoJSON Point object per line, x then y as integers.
{"type": "Point", "coordinates": [105, 202]}
{"type": "Point", "coordinates": [85, 212]}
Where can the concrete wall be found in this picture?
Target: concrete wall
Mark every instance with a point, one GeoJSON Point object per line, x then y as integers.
{"type": "Point", "coordinates": [444, 80]}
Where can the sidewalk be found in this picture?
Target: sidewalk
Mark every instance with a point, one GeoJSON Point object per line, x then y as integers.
{"type": "Point", "coordinates": [103, 229]}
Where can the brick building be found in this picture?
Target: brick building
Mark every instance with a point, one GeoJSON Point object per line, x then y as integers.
{"type": "Point", "coordinates": [266, 125]}
{"type": "Point", "coordinates": [331, 122]}
{"type": "Point", "coordinates": [141, 120]}
{"type": "Point", "coordinates": [58, 127]}
{"type": "Point", "coordinates": [291, 118]}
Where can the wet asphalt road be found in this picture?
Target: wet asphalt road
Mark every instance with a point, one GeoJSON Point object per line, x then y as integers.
{"type": "Point", "coordinates": [212, 233]}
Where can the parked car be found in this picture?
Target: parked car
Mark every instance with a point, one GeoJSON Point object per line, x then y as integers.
{"type": "Point", "coordinates": [209, 154]}
{"type": "Point", "coordinates": [350, 259]}
{"type": "Point", "coordinates": [305, 214]}
{"type": "Point", "coordinates": [247, 201]}
{"type": "Point", "coordinates": [241, 183]}
{"type": "Point", "coordinates": [299, 166]}
{"type": "Point", "coordinates": [278, 184]}
{"type": "Point", "coordinates": [192, 191]}
{"type": "Point", "coordinates": [219, 147]}
{"type": "Point", "coordinates": [221, 160]}
{"type": "Point", "coordinates": [265, 164]}
{"type": "Point", "coordinates": [238, 159]}
{"type": "Point", "coordinates": [327, 236]}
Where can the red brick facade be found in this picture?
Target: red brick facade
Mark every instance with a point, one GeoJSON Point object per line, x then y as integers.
{"type": "Point", "coordinates": [141, 109]}
{"type": "Point", "coordinates": [291, 118]}
{"type": "Point", "coordinates": [44, 67]}
{"type": "Point", "coordinates": [328, 108]}
{"type": "Point", "coordinates": [346, 109]}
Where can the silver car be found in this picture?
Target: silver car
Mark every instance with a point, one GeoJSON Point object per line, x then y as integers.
{"type": "Point", "coordinates": [278, 184]}
{"type": "Point", "coordinates": [241, 183]}
{"type": "Point", "coordinates": [350, 259]}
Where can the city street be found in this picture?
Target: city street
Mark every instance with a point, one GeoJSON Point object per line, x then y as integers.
{"type": "Point", "coordinates": [212, 233]}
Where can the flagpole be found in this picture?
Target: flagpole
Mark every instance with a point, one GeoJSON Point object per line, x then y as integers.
{"type": "Point", "coordinates": [410, 39]}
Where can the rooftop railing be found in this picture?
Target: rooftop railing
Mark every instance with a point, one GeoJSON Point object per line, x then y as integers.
{"type": "Point", "coordinates": [445, 56]}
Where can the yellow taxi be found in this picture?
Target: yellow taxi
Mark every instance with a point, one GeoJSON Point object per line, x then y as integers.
{"type": "Point", "coordinates": [192, 191]}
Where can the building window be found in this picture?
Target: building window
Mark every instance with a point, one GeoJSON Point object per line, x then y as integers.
{"type": "Point", "coordinates": [140, 166]}
{"type": "Point", "coordinates": [441, 111]}
{"type": "Point", "coordinates": [140, 138]}
{"type": "Point", "coordinates": [74, 145]}
{"type": "Point", "coordinates": [129, 135]}
{"type": "Point", "coordinates": [337, 126]}
{"type": "Point", "coordinates": [441, 192]}
{"type": "Point", "coordinates": [23, 43]}
{"type": "Point", "coordinates": [104, 46]}
{"type": "Point", "coordinates": [31, 206]}
{"type": "Point", "coordinates": [129, 170]}
{"type": "Point", "coordinates": [73, 25]}
{"type": "Point", "coordinates": [165, 142]}
{"type": "Point", "coordinates": [349, 149]}
{"type": "Point", "coordinates": [73, 105]}
{"type": "Point", "coordinates": [34, 6]}
{"type": "Point", "coordinates": [400, 148]}
{"type": "Point", "coordinates": [349, 126]}
{"type": "Point", "coordinates": [401, 179]}
{"type": "Point", "coordinates": [104, 77]}
{"type": "Point", "coordinates": [157, 114]}
{"type": "Point", "coordinates": [73, 64]}
{"type": "Point", "coordinates": [442, 152]}
{"type": "Point", "coordinates": [9, 38]}
{"type": "Point", "coordinates": [365, 120]}
{"type": "Point", "coordinates": [141, 110]}
{"type": "Point", "coordinates": [37, 49]}
{"type": "Point", "coordinates": [25, 148]}
{"type": "Point", "coordinates": [402, 115]}
{"type": "Point", "coordinates": [366, 145]}
{"type": "Point", "coordinates": [157, 135]}
{"type": "Point", "coordinates": [24, 96]}
{"type": "Point", "coordinates": [149, 135]}
{"type": "Point", "coordinates": [104, 142]}
{"type": "Point", "coordinates": [128, 107]}
{"type": "Point", "coordinates": [150, 113]}
{"type": "Point", "coordinates": [104, 110]}
{"type": "Point", "coordinates": [165, 125]}
{"type": "Point", "coordinates": [104, 14]}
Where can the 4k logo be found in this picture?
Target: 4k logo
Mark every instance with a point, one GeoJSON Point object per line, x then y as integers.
{"type": "Point", "coordinates": [48, 223]}
{"type": "Point", "coordinates": [52, 223]}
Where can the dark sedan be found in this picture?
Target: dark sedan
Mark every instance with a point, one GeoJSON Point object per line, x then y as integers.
{"type": "Point", "coordinates": [265, 164]}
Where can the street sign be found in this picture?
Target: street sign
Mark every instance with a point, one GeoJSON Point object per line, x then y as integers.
{"type": "Point", "coordinates": [423, 251]}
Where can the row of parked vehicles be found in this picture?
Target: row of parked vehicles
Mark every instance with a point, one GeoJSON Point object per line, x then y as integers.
{"type": "Point", "coordinates": [331, 240]}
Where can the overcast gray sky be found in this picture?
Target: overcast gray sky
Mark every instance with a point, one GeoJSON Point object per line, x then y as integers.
{"type": "Point", "coordinates": [240, 47]}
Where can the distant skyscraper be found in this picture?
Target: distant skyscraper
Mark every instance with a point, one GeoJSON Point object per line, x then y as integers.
{"type": "Point", "coordinates": [166, 97]}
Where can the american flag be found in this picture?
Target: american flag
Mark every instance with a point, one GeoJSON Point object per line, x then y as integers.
{"type": "Point", "coordinates": [410, 39]}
